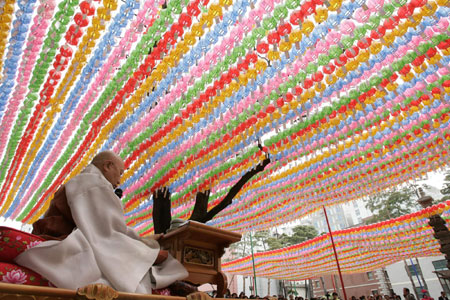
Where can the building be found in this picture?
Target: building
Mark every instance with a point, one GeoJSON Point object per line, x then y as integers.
{"type": "Point", "coordinates": [358, 284]}
{"type": "Point", "coordinates": [420, 273]}
{"type": "Point", "coordinates": [264, 286]}
{"type": "Point", "coordinates": [340, 216]}
{"type": "Point", "coordinates": [429, 273]}
{"type": "Point", "coordinates": [392, 279]}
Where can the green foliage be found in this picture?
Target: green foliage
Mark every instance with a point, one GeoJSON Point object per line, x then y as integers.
{"type": "Point", "coordinates": [276, 243]}
{"type": "Point", "coordinates": [264, 240]}
{"type": "Point", "coordinates": [393, 203]}
{"type": "Point", "coordinates": [445, 198]}
{"type": "Point", "coordinates": [241, 248]}
{"type": "Point", "coordinates": [259, 240]}
{"type": "Point", "coordinates": [300, 234]}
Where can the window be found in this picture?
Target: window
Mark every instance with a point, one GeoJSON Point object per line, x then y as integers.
{"type": "Point", "coordinates": [419, 292]}
{"type": "Point", "coordinates": [440, 265]}
{"type": "Point", "coordinates": [370, 275]}
{"type": "Point", "coordinates": [316, 284]}
{"type": "Point", "coordinates": [414, 270]}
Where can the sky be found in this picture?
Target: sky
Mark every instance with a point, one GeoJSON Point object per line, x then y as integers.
{"type": "Point", "coordinates": [15, 224]}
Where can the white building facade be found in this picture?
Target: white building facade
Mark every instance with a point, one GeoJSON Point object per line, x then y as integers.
{"type": "Point", "coordinates": [419, 273]}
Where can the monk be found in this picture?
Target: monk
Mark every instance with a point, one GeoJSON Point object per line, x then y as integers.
{"type": "Point", "coordinates": [91, 242]}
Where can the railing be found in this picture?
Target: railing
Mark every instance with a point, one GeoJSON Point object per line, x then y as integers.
{"type": "Point", "coordinates": [92, 292]}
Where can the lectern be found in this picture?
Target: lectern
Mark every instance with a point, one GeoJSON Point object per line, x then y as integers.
{"type": "Point", "coordinates": [199, 248]}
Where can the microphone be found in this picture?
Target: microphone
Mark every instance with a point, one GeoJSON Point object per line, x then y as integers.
{"type": "Point", "coordinates": [118, 192]}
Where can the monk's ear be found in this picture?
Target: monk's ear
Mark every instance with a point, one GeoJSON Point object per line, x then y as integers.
{"type": "Point", "coordinates": [106, 165]}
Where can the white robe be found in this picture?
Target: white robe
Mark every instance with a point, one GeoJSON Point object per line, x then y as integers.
{"type": "Point", "coordinates": [102, 249]}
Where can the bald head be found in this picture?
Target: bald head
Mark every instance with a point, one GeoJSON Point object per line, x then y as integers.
{"type": "Point", "coordinates": [104, 156]}
{"type": "Point", "coordinates": [111, 166]}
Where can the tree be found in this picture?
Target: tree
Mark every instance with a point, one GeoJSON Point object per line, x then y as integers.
{"type": "Point", "coordinates": [302, 233]}
{"type": "Point", "coordinates": [299, 234]}
{"type": "Point", "coordinates": [240, 249]}
{"type": "Point", "coordinates": [259, 240]}
{"type": "Point", "coordinates": [243, 248]}
{"type": "Point", "coordinates": [200, 212]}
{"type": "Point", "coordinates": [392, 203]}
{"type": "Point", "coordinates": [276, 242]}
{"type": "Point", "coordinates": [264, 240]}
{"type": "Point", "coordinates": [162, 203]}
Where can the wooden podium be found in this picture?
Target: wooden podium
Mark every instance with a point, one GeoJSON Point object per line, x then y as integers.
{"type": "Point", "coordinates": [199, 248]}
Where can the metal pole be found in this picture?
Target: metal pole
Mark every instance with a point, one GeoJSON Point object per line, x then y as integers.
{"type": "Point", "coordinates": [333, 283]}
{"type": "Point", "coordinates": [417, 275]}
{"type": "Point", "coordinates": [323, 285]}
{"type": "Point", "coordinates": [306, 290]}
{"type": "Point", "coordinates": [335, 253]}
{"type": "Point", "coordinates": [253, 261]}
{"type": "Point", "coordinates": [411, 279]}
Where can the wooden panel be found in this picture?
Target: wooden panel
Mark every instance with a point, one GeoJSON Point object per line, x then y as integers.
{"type": "Point", "coordinates": [24, 292]}
{"type": "Point", "coordinates": [199, 248]}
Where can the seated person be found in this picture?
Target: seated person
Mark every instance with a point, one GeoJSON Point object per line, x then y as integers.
{"type": "Point", "coordinates": [90, 240]}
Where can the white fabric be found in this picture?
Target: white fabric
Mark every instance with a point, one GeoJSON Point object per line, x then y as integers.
{"type": "Point", "coordinates": [102, 249]}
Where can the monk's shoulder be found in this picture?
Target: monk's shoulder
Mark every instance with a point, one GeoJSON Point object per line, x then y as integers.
{"type": "Point", "coordinates": [86, 181]}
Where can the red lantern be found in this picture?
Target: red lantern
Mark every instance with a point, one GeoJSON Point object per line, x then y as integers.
{"type": "Point", "coordinates": [328, 69]}
{"type": "Point", "coordinates": [308, 8]}
{"type": "Point", "coordinates": [193, 9]}
{"type": "Point", "coordinates": [184, 114]}
{"type": "Point", "coordinates": [185, 20]}
{"type": "Point", "coordinates": [332, 115]}
{"type": "Point", "coordinates": [284, 29]}
{"type": "Point", "coordinates": [352, 52]}
{"type": "Point", "coordinates": [262, 115]}
{"type": "Point", "coordinates": [242, 66]}
{"type": "Point", "coordinates": [364, 43]}
{"type": "Point", "coordinates": [262, 48]}
{"type": "Point", "coordinates": [406, 69]}
{"type": "Point", "coordinates": [270, 109]}
{"type": "Point", "coordinates": [273, 38]}
{"type": "Point", "coordinates": [392, 22]}
{"type": "Point", "coordinates": [308, 83]}
{"type": "Point", "coordinates": [289, 97]}
{"type": "Point", "coordinates": [280, 102]}
{"type": "Point", "coordinates": [251, 58]}
{"type": "Point", "coordinates": [296, 17]}
{"type": "Point", "coordinates": [342, 109]}
{"type": "Point", "coordinates": [341, 60]}
{"type": "Point", "coordinates": [318, 76]}
{"type": "Point", "coordinates": [81, 20]}
{"type": "Point", "coordinates": [444, 44]}
{"type": "Point", "coordinates": [87, 8]}
{"type": "Point", "coordinates": [405, 12]}
{"type": "Point", "coordinates": [66, 51]}
{"type": "Point", "coordinates": [431, 52]}
{"type": "Point", "coordinates": [55, 75]}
